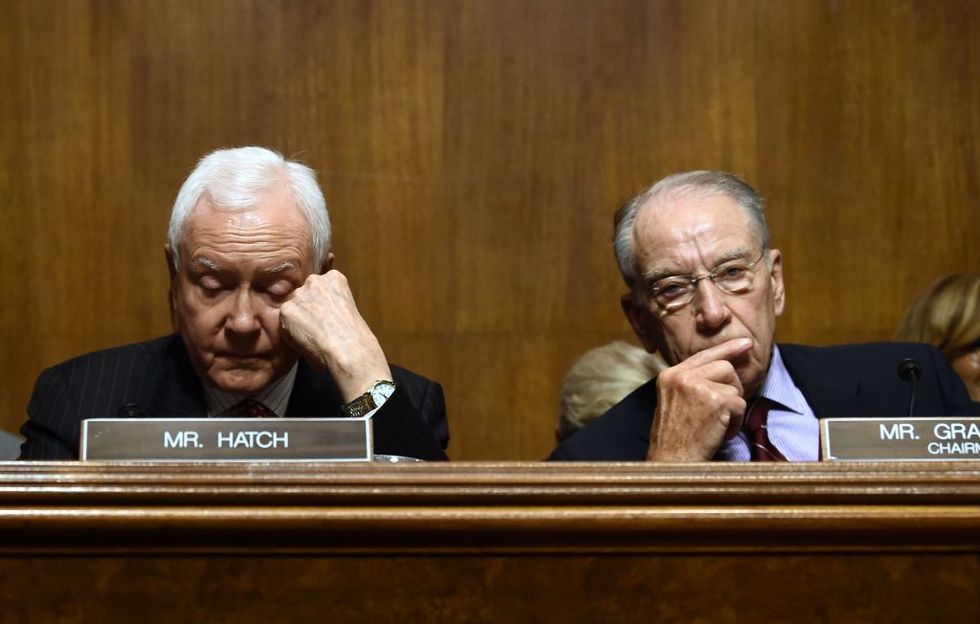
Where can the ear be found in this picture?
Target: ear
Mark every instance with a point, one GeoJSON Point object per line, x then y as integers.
{"type": "Point", "coordinates": [172, 292]}
{"type": "Point", "coordinates": [327, 263]}
{"type": "Point", "coordinates": [776, 281]}
{"type": "Point", "coordinates": [640, 320]}
{"type": "Point", "coordinates": [171, 267]}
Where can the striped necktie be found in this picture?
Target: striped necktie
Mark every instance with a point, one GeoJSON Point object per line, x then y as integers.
{"type": "Point", "coordinates": [760, 448]}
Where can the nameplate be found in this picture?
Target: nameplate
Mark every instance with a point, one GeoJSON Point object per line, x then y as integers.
{"type": "Point", "coordinates": [900, 439]}
{"type": "Point", "coordinates": [227, 439]}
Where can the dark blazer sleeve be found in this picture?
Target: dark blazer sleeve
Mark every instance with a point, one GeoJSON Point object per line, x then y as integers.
{"type": "Point", "coordinates": [412, 422]}
{"type": "Point", "coordinates": [51, 430]}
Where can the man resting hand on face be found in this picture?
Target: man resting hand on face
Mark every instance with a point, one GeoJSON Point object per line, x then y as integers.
{"type": "Point", "coordinates": [705, 288]}
{"type": "Point", "coordinates": [261, 317]}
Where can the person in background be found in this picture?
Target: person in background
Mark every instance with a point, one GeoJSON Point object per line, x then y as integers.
{"type": "Point", "coordinates": [948, 317]}
{"type": "Point", "coordinates": [601, 378]}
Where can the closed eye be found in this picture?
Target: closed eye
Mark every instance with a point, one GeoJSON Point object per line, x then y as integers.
{"type": "Point", "coordinates": [280, 288]}
{"type": "Point", "coordinates": [210, 283]}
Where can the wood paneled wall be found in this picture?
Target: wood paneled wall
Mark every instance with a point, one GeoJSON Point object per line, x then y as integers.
{"type": "Point", "coordinates": [473, 154]}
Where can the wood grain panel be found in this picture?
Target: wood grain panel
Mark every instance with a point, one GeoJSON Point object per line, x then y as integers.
{"type": "Point", "coordinates": [487, 589]}
{"type": "Point", "coordinates": [473, 153]}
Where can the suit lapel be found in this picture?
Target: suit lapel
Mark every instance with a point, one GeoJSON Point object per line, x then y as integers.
{"type": "Point", "coordinates": [827, 389]}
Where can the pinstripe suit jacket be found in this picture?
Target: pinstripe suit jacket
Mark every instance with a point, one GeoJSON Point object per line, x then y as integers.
{"type": "Point", "coordinates": [846, 380]}
{"type": "Point", "coordinates": [158, 379]}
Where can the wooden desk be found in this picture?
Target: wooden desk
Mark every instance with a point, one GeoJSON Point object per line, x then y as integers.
{"type": "Point", "coordinates": [489, 542]}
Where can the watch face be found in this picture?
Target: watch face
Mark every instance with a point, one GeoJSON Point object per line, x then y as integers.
{"type": "Point", "coordinates": [381, 391]}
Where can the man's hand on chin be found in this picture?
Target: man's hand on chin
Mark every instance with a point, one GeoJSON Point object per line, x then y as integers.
{"type": "Point", "coordinates": [699, 405]}
{"type": "Point", "coordinates": [322, 323]}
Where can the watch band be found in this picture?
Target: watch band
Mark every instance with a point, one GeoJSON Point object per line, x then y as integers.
{"type": "Point", "coordinates": [359, 406]}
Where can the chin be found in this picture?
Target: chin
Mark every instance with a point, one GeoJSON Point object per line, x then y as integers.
{"type": "Point", "coordinates": [240, 382]}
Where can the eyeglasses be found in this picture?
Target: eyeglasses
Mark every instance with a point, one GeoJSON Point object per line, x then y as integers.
{"type": "Point", "coordinates": [734, 277]}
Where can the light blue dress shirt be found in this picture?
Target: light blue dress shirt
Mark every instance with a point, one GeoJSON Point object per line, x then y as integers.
{"type": "Point", "coordinates": [793, 427]}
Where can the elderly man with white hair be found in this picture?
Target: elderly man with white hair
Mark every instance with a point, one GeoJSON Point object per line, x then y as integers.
{"type": "Point", "coordinates": [264, 325]}
{"type": "Point", "coordinates": [705, 289]}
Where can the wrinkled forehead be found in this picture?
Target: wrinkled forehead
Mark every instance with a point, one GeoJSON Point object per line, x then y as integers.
{"type": "Point", "coordinates": [271, 231]}
{"type": "Point", "coordinates": [682, 225]}
{"type": "Point", "coordinates": [275, 213]}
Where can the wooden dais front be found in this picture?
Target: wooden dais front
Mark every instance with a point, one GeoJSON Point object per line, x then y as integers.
{"type": "Point", "coordinates": [489, 542]}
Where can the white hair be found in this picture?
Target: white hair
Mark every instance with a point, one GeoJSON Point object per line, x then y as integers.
{"type": "Point", "coordinates": [234, 179]}
{"type": "Point", "coordinates": [704, 182]}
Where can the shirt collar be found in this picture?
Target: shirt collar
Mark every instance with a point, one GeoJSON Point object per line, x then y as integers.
{"type": "Point", "coordinates": [275, 396]}
{"type": "Point", "coordinates": [779, 387]}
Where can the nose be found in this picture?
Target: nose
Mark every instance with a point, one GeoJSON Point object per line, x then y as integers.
{"type": "Point", "coordinates": [711, 306]}
{"type": "Point", "coordinates": [244, 315]}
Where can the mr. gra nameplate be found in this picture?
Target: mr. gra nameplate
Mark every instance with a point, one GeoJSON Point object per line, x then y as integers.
{"type": "Point", "coordinates": [227, 439]}
{"type": "Point", "coordinates": [908, 439]}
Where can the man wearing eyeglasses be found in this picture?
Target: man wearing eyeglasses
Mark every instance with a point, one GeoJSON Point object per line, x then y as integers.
{"type": "Point", "coordinates": [705, 291]}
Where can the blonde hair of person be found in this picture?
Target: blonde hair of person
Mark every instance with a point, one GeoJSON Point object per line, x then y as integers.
{"type": "Point", "coordinates": [947, 316]}
{"type": "Point", "coordinates": [600, 379]}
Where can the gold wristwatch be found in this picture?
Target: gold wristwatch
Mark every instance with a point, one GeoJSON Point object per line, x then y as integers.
{"type": "Point", "coordinates": [372, 399]}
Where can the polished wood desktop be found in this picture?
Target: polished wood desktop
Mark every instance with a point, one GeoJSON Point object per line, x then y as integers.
{"type": "Point", "coordinates": [489, 542]}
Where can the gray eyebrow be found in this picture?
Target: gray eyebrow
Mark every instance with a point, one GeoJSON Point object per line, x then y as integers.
{"type": "Point", "coordinates": [214, 266]}
{"type": "Point", "coordinates": [742, 253]}
{"type": "Point", "coordinates": [279, 268]}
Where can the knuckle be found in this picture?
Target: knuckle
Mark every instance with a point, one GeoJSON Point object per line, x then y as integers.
{"type": "Point", "coordinates": [683, 377]}
{"type": "Point", "coordinates": [711, 398]}
{"type": "Point", "coordinates": [671, 378]}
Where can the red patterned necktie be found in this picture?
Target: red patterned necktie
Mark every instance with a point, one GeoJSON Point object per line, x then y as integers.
{"type": "Point", "coordinates": [760, 448]}
{"type": "Point", "coordinates": [249, 408]}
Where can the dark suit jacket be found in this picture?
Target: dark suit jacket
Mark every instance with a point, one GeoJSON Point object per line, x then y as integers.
{"type": "Point", "coordinates": [156, 379]}
{"type": "Point", "coordinates": [847, 380]}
